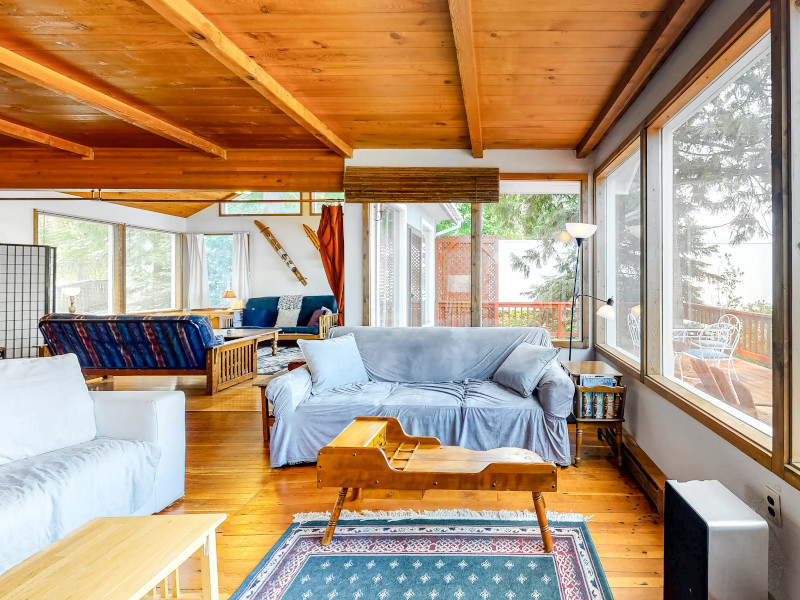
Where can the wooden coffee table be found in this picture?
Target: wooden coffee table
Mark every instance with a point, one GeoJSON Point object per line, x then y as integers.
{"type": "Point", "coordinates": [122, 558]}
{"type": "Point", "coordinates": [261, 334]}
{"type": "Point", "coordinates": [374, 453]}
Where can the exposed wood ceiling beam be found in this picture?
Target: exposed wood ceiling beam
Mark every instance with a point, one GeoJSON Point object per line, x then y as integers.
{"type": "Point", "coordinates": [183, 15]}
{"type": "Point", "coordinates": [674, 22]}
{"type": "Point", "coordinates": [187, 196]}
{"type": "Point", "coordinates": [461, 17]}
{"type": "Point", "coordinates": [32, 71]}
{"type": "Point", "coordinates": [21, 132]}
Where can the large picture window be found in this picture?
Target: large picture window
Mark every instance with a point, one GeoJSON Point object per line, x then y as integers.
{"type": "Point", "coordinates": [219, 262]}
{"type": "Point", "coordinates": [84, 262]}
{"type": "Point", "coordinates": [717, 243]}
{"type": "Point", "coordinates": [150, 270]}
{"type": "Point", "coordinates": [620, 200]}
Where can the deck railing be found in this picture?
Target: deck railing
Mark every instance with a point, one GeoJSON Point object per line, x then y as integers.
{"type": "Point", "coordinates": [756, 339]}
{"type": "Point", "coordinates": [553, 316]}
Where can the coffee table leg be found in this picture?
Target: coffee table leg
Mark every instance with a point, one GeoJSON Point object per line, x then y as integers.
{"type": "Point", "coordinates": [541, 516]}
{"type": "Point", "coordinates": [337, 509]}
{"type": "Point", "coordinates": [208, 567]}
{"type": "Point", "coordinates": [578, 443]}
{"type": "Point", "coordinates": [275, 344]}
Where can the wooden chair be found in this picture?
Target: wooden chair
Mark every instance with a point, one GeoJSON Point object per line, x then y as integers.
{"type": "Point", "coordinates": [374, 453]}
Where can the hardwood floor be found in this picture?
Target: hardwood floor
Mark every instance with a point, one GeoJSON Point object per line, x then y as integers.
{"type": "Point", "coordinates": [227, 470]}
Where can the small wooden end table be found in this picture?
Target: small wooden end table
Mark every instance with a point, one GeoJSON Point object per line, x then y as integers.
{"type": "Point", "coordinates": [374, 453]}
{"type": "Point", "coordinates": [261, 334]}
{"type": "Point", "coordinates": [119, 557]}
{"type": "Point", "coordinates": [575, 369]}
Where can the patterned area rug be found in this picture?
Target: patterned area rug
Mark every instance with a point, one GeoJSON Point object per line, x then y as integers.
{"type": "Point", "coordinates": [489, 556]}
{"type": "Point", "coordinates": [271, 365]}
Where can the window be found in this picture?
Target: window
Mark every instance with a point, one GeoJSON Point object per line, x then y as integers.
{"type": "Point", "coordinates": [262, 203]}
{"type": "Point", "coordinates": [619, 197]}
{"type": "Point", "coordinates": [528, 262]}
{"type": "Point", "coordinates": [388, 266]}
{"type": "Point", "coordinates": [322, 198]}
{"type": "Point", "coordinates": [717, 242]}
{"type": "Point", "coordinates": [150, 270]}
{"type": "Point", "coordinates": [219, 262]}
{"type": "Point", "coordinates": [84, 262]}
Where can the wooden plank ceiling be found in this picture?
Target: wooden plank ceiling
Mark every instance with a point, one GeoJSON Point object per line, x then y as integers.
{"type": "Point", "coordinates": [377, 73]}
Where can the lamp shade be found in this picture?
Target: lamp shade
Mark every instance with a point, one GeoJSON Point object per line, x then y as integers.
{"type": "Point", "coordinates": [607, 312]}
{"type": "Point", "coordinates": [229, 294]}
{"type": "Point", "coordinates": [581, 230]}
{"type": "Point", "coordinates": [71, 291]}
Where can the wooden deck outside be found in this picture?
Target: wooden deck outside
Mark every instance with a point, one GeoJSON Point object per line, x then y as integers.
{"type": "Point", "coordinates": [757, 378]}
{"type": "Point", "coordinates": [227, 470]}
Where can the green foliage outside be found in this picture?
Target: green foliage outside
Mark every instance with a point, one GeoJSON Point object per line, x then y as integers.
{"type": "Point", "coordinates": [219, 261]}
{"type": "Point", "coordinates": [149, 270]}
{"type": "Point", "coordinates": [289, 206]}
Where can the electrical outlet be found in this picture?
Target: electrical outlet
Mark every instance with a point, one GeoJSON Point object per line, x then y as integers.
{"type": "Point", "coordinates": [773, 505]}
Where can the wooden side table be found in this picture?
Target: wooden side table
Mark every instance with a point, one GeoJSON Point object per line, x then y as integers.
{"type": "Point", "coordinates": [595, 367]}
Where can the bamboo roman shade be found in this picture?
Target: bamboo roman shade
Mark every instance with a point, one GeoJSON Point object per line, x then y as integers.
{"type": "Point", "coordinates": [419, 184]}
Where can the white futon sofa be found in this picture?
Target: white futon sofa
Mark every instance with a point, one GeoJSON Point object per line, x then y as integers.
{"type": "Point", "coordinates": [68, 455]}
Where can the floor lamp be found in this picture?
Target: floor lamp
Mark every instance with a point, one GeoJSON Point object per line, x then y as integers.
{"type": "Point", "coordinates": [581, 232]}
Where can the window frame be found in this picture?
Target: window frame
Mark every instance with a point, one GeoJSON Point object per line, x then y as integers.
{"type": "Point", "coordinates": [312, 201]}
{"type": "Point", "coordinates": [625, 150]}
{"type": "Point", "coordinates": [177, 266]}
{"type": "Point", "coordinates": [119, 259]}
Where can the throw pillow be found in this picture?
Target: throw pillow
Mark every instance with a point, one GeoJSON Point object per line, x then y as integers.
{"type": "Point", "coordinates": [254, 317]}
{"type": "Point", "coordinates": [314, 320]}
{"type": "Point", "coordinates": [45, 405]}
{"type": "Point", "coordinates": [333, 363]}
{"type": "Point", "coordinates": [524, 368]}
{"type": "Point", "coordinates": [287, 317]}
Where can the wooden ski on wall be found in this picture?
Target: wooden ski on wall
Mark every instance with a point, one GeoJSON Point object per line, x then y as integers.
{"type": "Point", "coordinates": [312, 235]}
{"type": "Point", "coordinates": [281, 252]}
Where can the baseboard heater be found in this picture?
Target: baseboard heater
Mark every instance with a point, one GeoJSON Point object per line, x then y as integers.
{"type": "Point", "coordinates": [715, 546]}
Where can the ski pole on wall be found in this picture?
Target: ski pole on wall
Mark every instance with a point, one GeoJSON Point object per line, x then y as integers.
{"type": "Point", "coordinates": [312, 235]}
{"type": "Point", "coordinates": [281, 252]}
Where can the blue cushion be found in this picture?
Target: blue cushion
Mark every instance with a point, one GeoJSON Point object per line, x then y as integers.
{"type": "Point", "coordinates": [268, 303]}
{"type": "Point", "coordinates": [524, 368]}
{"type": "Point", "coordinates": [312, 303]}
{"type": "Point", "coordinates": [300, 329]}
{"type": "Point", "coordinates": [254, 317]}
{"type": "Point", "coordinates": [333, 363]}
{"type": "Point", "coordinates": [706, 354]}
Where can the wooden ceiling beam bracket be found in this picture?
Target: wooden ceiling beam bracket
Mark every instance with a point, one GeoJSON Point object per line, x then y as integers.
{"type": "Point", "coordinates": [45, 77]}
{"type": "Point", "coordinates": [183, 15]}
{"type": "Point", "coordinates": [461, 17]}
{"type": "Point", "coordinates": [21, 132]}
{"type": "Point", "coordinates": [674, 22]}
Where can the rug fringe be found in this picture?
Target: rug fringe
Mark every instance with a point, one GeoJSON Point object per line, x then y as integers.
{"type": "Point", "coordinates": [442, 514]}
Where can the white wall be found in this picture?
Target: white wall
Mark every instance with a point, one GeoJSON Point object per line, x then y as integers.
{"type": "Point", "coordinates": [268, 275]}
{"type": "Point", "coordinates": [16, 217]}
{"type": "Point", "coordinates": [678, 444]}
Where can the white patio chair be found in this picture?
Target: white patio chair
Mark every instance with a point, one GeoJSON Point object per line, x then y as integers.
{"type": "Point", "coordinates": [717, 343]}
{"type": "Point", "coordinates": [634, 329]}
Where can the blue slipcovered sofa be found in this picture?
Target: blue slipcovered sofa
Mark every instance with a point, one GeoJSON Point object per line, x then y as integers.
{"type": "Point", "coordinates": [151, 345]}
{"type": "Point", "coordinates": [263, 312]}
{"type": "Point", "coordinates": [437, 381]}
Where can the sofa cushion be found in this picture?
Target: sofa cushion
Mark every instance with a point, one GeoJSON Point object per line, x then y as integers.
{"type": "Point", "coordinates": [254, 317]}
{"type": "Point", "coordinates": [44, 405]}
{"type": "Point", "coordinates": [287, 317]}
{"type": "Point", "coordinates": [315, 316]}
{"type": "Point", "coordinates": [333, 363]}
{"type": "Point", "coordinates": [438, 354]}
{"type": "Point", "coordinates": [268, 303]}
{"type": "Point", "coordinates": [524, 367]}
{"type": "Point", "coordinates": [45, 497]}
{"type": "Point", "coordinates": [301, 329]}
{"type": "Point", "coordinates": [427, 394]}
{"type": "Point", "coordinates": [312, 303]}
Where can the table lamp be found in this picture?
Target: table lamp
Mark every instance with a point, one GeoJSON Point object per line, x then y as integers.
{"type": "Point", "coordinates": [71, 292]}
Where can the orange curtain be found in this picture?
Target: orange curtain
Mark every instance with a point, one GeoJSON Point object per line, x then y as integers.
{"type": "Point", "coordinates": [331, 248]}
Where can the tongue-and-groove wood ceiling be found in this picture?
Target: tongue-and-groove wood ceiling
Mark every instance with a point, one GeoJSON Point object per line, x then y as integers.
{"type": "Point", "coordinates": [373, 73]}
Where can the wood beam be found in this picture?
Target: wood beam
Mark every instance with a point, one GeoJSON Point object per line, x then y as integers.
{"type": "Point", "coordinates": [461, 17]}
{"type": "Point", "coordinates": [21, 132]}
{"type": "Point", "coordinates": [673, 23]}
{"type": "Point", "coordinates": [164, 168]}
{"type": "Point", "coordinates": [183, 15]}
{"type": "Point", "coordinates": [32, 71]}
